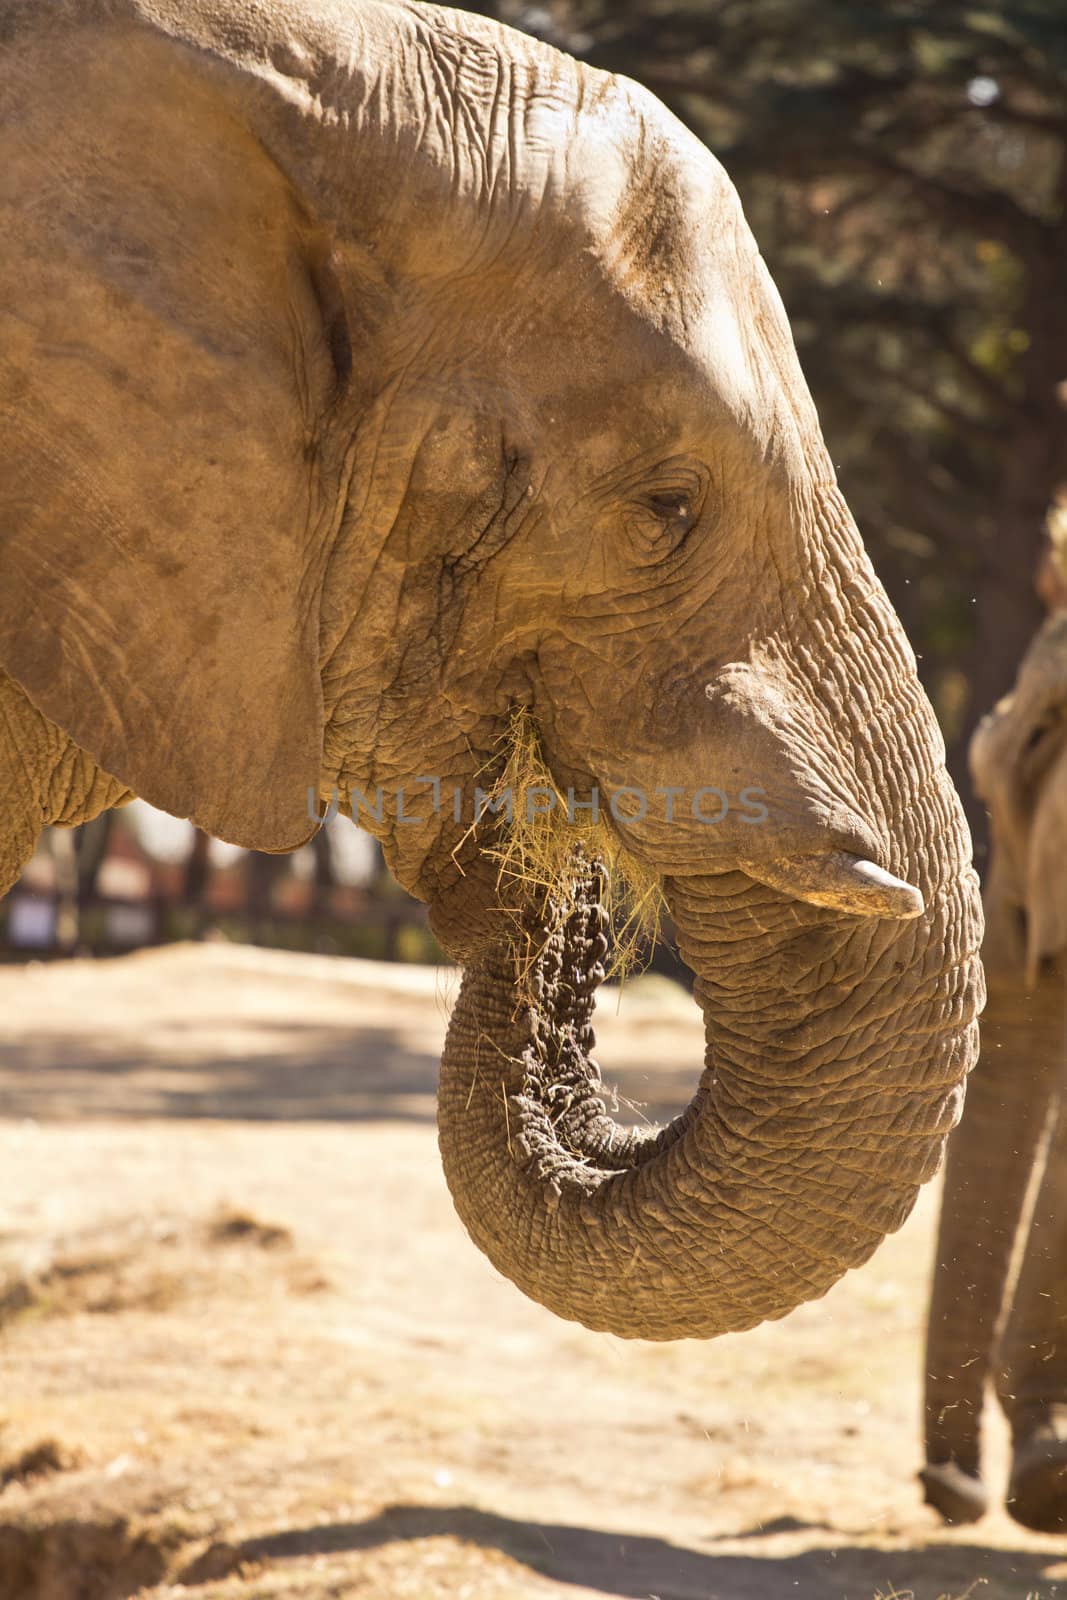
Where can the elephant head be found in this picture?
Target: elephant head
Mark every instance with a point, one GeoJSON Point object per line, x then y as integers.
{"type": "Point", "coordinates": [382, 371]}
{"type": "Point", "coordinates": [1019, 766]}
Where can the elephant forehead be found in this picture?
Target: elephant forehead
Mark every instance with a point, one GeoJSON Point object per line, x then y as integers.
{"type": "Point", "coordinates": [656, 209]}
{"type": "Point", "coordinates": [679, 255]}
{"type": "Point", "coordinates": [673, 366]}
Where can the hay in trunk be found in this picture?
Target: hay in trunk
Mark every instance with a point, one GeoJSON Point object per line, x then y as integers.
{"type": "Point", "coordinates": [540, 842]}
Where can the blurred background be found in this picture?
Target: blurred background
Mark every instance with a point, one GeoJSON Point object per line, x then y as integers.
{"type": "Point", "coordinates": [137, 876]}
{"type": "Point", "coordinates": [902, 166]}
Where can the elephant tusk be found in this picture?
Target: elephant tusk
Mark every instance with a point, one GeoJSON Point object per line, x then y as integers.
{"type": "Point", "coordinates": [842, 881]}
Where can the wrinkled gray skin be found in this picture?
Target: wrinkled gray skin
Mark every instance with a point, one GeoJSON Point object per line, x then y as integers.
{"type": "Point", "coordinates": [1015, 1129]}
{"type": "Point", "coordinates": [370, 370]}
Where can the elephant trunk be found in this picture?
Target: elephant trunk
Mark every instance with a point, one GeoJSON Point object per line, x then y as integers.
{"type": "Point", "coordinates": [990, 1164]}
{"type": "Point", "coordinates": [836, 1048]}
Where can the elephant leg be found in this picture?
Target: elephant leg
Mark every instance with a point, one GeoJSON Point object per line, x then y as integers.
{"type": "Point", "coordinates": [1032, 1376]}
{"type": "Point", "coordinates": [44, 778]}
{"type": "Point", "coordinates": [990, 1159]}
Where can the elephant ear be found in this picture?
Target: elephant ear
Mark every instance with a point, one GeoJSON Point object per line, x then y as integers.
{"type": "Point", "coordinates": [161, 368]}
{"type": "Point", "coordinates": [1046, 871]}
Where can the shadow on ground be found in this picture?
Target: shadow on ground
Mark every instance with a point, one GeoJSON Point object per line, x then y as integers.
{"type": "Point", "coordinates": [298, 1073]}
{"type": "Point", "coordinates": [261, 1069]}
{"type": "Point", "coordinates": [637, 1568]}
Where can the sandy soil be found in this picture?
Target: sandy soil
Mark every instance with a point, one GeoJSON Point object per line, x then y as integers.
{"type": "Point", "coordinates": [247, 1350]}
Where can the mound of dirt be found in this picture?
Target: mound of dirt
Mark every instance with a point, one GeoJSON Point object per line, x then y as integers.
{"type": "Point", "coordinates": [74, 1560]}
{"type": "Point", "coordinates": [240, 1227]}
{"type": "Point", "coordinates": [38, 1460]}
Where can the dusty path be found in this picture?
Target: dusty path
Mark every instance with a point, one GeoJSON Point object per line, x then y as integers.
{"type": "Point", "coordinates": [251, 1352]}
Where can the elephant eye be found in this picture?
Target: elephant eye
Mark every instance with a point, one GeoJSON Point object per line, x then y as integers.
{"type": "Point", "coordinates": [673, 508]}
{"type": "Point", "coordinates": [1041, 747]}
{"type": "Point", "coordinates": [670, 506]}
{"type": "Point", "coordinates": [663, 506]}
{"type": "Point", "coordinates": [675, 511]}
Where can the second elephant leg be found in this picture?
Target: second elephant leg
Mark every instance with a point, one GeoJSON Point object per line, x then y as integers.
{"type": "Point", "coordinates": [1032, 1375]}
{"type": "Point", "coordinates": [990, 1159]}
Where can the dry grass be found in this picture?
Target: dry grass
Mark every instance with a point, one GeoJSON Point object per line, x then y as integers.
{"type": "Point", "coordinates": [544, 851]}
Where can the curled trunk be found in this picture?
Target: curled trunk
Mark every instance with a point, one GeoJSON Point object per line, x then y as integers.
{"type": "Point", "coordinates": [822, 1107]}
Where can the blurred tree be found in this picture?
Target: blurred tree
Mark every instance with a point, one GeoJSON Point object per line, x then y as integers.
{"type": "Point", "coordinates": [91, 842]}
{"type": "Point", "coordinates": [903, 168]}
{"type": "Point", "coordinates": [323, 876]}
{"type": "Point", "coordinates": [197, 870]}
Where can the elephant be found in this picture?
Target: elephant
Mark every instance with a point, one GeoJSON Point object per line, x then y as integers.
{"type": "Point", "coordinates": [998, 1305]}
{"type": "Point", "coordinates": [373, 375]}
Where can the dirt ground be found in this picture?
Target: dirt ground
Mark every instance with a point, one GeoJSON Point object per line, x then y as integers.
{"type": "Point", "coordinates": [246, 1349]}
